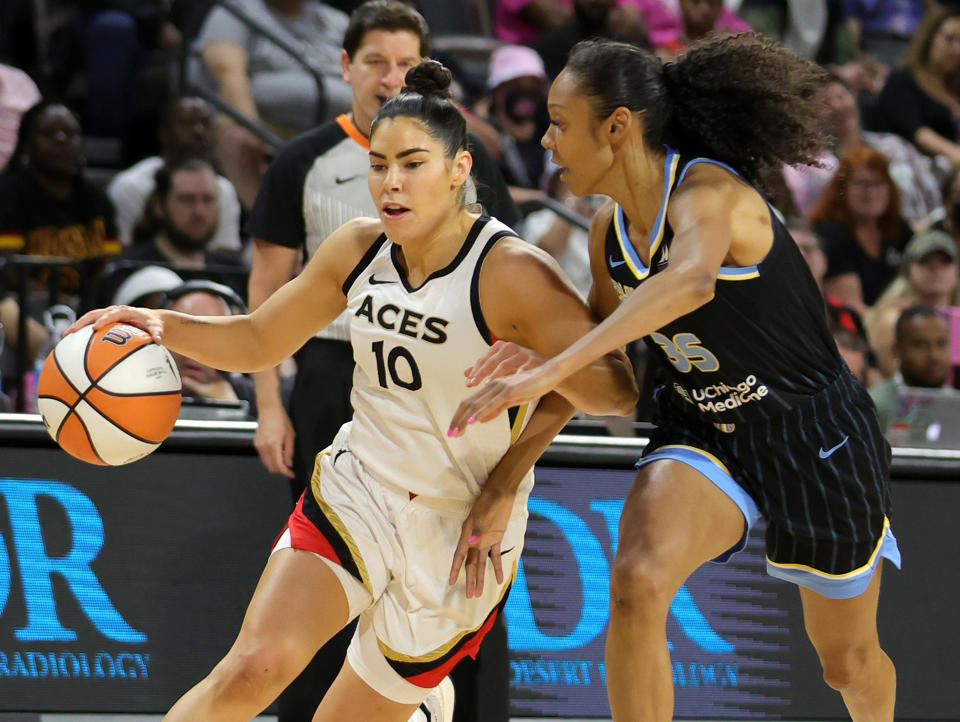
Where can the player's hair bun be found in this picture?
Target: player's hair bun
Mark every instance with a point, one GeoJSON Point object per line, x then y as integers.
{"type": "Point", "coordinates": [429, 78]}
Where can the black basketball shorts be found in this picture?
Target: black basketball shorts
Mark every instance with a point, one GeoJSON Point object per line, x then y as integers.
{"type": "Point", "coordinates": [818, 474]}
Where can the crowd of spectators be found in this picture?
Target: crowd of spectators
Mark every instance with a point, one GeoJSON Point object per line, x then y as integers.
{"type": "Point", "coordinates": [878, 219]}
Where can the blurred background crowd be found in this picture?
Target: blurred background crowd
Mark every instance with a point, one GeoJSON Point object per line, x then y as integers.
{"type": "Point", "coordinates": [135, 134]}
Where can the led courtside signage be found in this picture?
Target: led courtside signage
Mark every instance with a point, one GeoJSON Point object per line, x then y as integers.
{"type": "Point", "coordinates": [121, 587]}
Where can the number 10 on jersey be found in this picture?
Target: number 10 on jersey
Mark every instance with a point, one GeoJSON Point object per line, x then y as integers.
{"type": "Point", "coordinates": [399, 364]}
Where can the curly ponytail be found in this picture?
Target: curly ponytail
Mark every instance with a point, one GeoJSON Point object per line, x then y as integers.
{"type": "Point", "coordinates": [739, 99]}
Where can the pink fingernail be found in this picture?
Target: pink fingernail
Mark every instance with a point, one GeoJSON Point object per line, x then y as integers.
{"type": "Point", "coordinates": [453, 432]}
{"type": "Point", "coordinates": [473, 538]}
{"type": "Point", "coordinates": [471, 419]}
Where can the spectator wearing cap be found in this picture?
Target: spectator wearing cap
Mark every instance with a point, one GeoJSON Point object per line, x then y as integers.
{"type": "Point", "coordinates": [922, 352]}
{"type": "Point", "coordinates": [17, 93]}
{"type": "Point", "coordinates": [929, 275]}
{"type": "Point", "coordinates": [147, 287]}
{"type": "Point", "coordinates": [516, 107]}
{"type": "Point", "coordinates": [199, 380]}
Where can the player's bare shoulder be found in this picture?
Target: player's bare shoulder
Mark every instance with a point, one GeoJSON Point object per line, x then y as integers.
{"type": "Point", "coordinates": [514, 258]}
{"type": "Point", "coordinates": [360, 233]}
{"type": "Point", "coordinates": [711, 189]}
{"type": "Point", "coordinates": [707, 180]}
{"type": "Point", "coordinates": [344, 248]}
{"type": "Point", "coordinates": [516, 280]}
{"type": "Point", "coordinates": [710, 194]}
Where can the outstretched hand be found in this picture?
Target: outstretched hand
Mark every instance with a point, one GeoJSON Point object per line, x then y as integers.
{"type": "Point", "coordinates": [502, 359]}
{"type": "Point", "coordinates": [143, 318]}
{"type": "Point", "coordinates": [497, 395]}
{"type": "Point", "coordinates": [480, 538]}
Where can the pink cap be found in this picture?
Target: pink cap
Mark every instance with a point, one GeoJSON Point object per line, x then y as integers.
{"type": "Point", "coordinates": [510, 62]}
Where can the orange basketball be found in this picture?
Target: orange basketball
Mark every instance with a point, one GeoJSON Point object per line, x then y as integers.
{"type": "Point", "coordinates": [109, 397]}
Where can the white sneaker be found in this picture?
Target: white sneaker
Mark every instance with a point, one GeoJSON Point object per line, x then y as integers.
{"type": "Point", "coordinates": [438, 706]}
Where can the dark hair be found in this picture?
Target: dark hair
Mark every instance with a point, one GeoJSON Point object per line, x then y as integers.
{"type": "Point", "coordinates": [166, 109]}
{"type": "Point", "coordinates": [918, 50]}
{"type": "Point", "coordinates": [739, 99]}
{"type": "Point", "coordinates": [426, 97]}
{"type": "Point", "coordinates": [28, 122]}
{"type": "Point", "coordinates": [148, 224]}
{"type": "Point", "coordinates": [390, 15]}
{"type": "Point", "coordinates": [163, 178]}
{"type": "Point", "coordinates": [849, 340]}
{"type": "Point", "coordinates": [918, 311]}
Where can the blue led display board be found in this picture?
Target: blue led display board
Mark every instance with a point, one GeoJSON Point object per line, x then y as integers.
{"type": "Point", "coordinates": [121, 587]}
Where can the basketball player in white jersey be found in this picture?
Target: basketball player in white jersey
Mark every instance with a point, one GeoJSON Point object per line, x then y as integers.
{"type": "Point", "coordinates": [428, 287]}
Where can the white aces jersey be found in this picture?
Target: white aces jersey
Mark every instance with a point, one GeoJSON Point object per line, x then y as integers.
{"type": "Point", "coordinates": [411, 346]}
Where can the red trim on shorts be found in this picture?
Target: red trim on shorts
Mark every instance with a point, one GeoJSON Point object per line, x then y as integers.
{"type": "Point", "coordinates": [305, 535]}
{"type": "Point", "coordinates": [431, 678]}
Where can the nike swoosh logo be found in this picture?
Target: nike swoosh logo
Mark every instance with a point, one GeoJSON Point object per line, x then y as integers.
{"type": "Point", "coordinates": [614, 264]}
{"type": "Point", "coordinates": [341, 181]}
{"type": "Point", "coordinates": [507, 551]}
{"type": "Point", "coordinates": [826, 454]}
{"type": "Point", "coordinates": [374, 281]}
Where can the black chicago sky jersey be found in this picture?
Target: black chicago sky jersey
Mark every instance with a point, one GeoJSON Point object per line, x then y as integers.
{"type": "Point", "coordinates": [758, 347]}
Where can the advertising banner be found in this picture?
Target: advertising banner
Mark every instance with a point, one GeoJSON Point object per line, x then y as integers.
{"type": "Point", "coordinates": [121, 587]}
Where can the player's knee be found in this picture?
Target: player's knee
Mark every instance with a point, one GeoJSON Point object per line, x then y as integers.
{"type": "Point", "coordinates": [247, 674]}
{"type": "Point", "coordinates": [640, 587]}
{"type": "Point", "coordinates": [843, 667]}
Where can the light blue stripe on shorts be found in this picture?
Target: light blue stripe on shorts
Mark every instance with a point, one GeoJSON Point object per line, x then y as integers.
{"type": "Point", "coordinates": [840, 586]}
{"type": "Point", "coordinates": [716, 471]}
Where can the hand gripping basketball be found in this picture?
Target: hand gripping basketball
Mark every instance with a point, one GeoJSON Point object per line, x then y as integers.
{"type": "Point", "coordinates": [108, 393]}
{"type": "Point", "coordinates": [142, 318]}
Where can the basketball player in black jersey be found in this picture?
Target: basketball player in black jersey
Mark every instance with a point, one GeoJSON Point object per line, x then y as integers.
{"type": "Point", "coordinates": [757, 415]}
